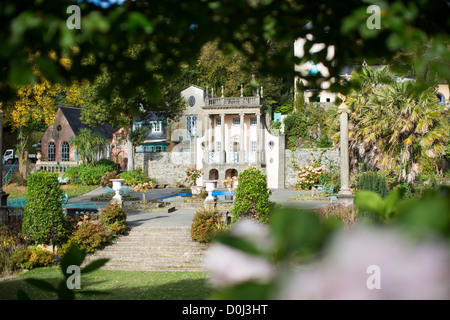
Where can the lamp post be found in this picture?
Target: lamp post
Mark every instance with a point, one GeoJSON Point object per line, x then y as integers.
{"type": "Point", "coordinates": [3, 194]}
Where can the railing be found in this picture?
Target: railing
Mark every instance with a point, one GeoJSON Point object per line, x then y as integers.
{"type": "Point", "coordinates": [250, 157]}
{"type": "Point", "coordinates": [53, 166]}
{"type": "Point", "coordinates": [9, 171]}
{"type": "Point", "coordinates": [237, 101]}
{"type": "Point", "coordinates": [232, 157]}
{"type": "Point", "coordinates": [213, 157]}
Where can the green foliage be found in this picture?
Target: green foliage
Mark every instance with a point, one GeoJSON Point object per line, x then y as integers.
{"type": "Point", "coordinates": [72, 257]}
{"type": "Point", "coordinates": [134, 177]}
{"type": "Point", "coordinates": [88, 145]}
{"type": "Point", "coordinates": [204, 225]}
{"type": "Point", "coordinates": [307, 127]}
{"type": "Point", "coordinates": [43, 220]}
{"type": "Point", "coordinates": [89, 175]}
{"type": "Point", "coordinates": [113, 217]}
{"type": "Point", "coordinates": [252, 196]}
{"type": "Point", "coordinates": [88, 237]}
{"type": "Point", "coordinates": [29, 258]}
{"type": "Point", "coordinates": [372, 181]}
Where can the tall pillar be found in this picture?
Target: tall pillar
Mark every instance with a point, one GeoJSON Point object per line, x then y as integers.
{"type": "Point", "coordinates": [222, 154]}
{"type": "Point", "coordinates": [345, 194]}
{"type": "Point", "coordinates": [258, 138]}
{"type": "Point", "coordinates": [241, 139]}
{"type": "Point", "coordinates": [206, 141]}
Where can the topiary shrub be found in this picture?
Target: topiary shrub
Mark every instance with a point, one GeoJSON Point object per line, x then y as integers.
{"type": "Point", "coordinates": [371, 181]}
{"type": "Point", "coordinates": [113, 217]}
{"type": "Point", "coordinates": [252, 196]}
{"type": "Point", "coordinates": [204, 225]}
{"type": "Point", "coordinates": [43, 220]}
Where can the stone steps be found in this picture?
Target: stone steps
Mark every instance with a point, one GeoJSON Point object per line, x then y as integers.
{"type": "Point", "coordinates": [150, 248]}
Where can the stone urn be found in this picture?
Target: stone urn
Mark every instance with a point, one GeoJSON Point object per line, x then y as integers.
{"type": "Point", "coordinates": [210, 186]}
{"type": "Point", "coordinates": [116, 186]}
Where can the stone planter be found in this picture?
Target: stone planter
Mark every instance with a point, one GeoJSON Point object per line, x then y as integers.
{"type": "Point", "coordinates": [210, 186]}
{"type": "Point", "coordinates": [117, 185]}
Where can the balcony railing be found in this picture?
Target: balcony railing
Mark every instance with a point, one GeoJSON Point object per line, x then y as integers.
{"type": "Point", "coordinates": [213, 157]}
{"type": "Point", "coordinates": [236, 102]}
{"type": "Point", "coordinates": [232, 157]}
{"type": "Point", "coordinates": [250, 157]}
{"type": "Point", "coordinates": [53, 166]}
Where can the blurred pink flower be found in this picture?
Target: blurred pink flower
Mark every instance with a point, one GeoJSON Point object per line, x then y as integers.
{"type": "Point", "coordinates": [229, 266]}
{"type": "Point", "coordinates": [407, 269]}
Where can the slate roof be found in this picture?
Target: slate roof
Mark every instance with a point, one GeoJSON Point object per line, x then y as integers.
{"type": "Point", "coordinates": [73, 116]}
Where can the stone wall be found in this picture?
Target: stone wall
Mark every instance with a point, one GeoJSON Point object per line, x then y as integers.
{"type": "Point", "coordinates": [329, 161]}
{"type": "Point", "coordinates": [166, 167]}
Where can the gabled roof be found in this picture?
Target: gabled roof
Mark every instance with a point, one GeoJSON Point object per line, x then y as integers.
{"type": "Point", "coordinates": [73, 116]}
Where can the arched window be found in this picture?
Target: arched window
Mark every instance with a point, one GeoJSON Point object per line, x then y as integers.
{"type": "Point", "coordinates": [51, 151]}
{"type": "Point", "coordinates": [65, 151]}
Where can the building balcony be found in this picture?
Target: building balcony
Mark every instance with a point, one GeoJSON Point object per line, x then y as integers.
{"type": "Point", "coordinates": [235, 102]}
{"type": "Point", "coordinates": [232, 157]}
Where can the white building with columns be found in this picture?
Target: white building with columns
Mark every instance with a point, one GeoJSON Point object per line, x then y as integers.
{"type": "Point", "coordinates": [230, 135]}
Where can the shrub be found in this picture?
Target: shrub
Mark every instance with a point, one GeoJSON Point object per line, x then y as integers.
{"type": "Point", "coordinates": [371, 181]}
{"type": "Point", "coordinates": [204, 225]}
{"type": "Point", "coordinates": [29, 258]}
{"type": "Point", "coordinates": [113, 217]}
{"type": "Point", "coordinates": [192, 175]}
{"type": "Point", "coordinates": [307, 176]}
{"type": "Point", "coordinates": [252, 196]}
{"type": "Point", "coordinates": [88, 237]}
{"type": "Point", "coordinates": [89, 175]}
{"type": "Point", "coordinates": [134, 177]}
{"type": "Point", "coordinates": [43, 220]}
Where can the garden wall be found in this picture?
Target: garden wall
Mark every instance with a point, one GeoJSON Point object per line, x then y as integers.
{"type": "Point", "coordinates": [329, 160]}
{"type": "Point", "coordinates": [166, 167]}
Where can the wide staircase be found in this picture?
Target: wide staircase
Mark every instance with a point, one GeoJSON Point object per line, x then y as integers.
{"type": "Point", "coordinates": [153, 248]}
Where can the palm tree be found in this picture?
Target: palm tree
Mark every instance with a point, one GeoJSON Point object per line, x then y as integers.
{"type": "Point", "coordinates": [89, 145]}
{"type": "Point", "coordinates": [393, 124]}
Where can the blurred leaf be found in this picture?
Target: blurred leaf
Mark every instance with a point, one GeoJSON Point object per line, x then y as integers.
{"type": "Point", "coordinates": [41, 284]}
{"type": "Point", "coordinates": [74, 256]}
{"type": "Point", "coordinates": [296, 232]}
{"type": "Point", "coordinates": [94, 265]}
{"type": "Point", "coordinates": [370, 202]}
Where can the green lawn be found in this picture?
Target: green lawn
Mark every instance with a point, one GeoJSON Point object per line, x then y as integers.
{"type": "Point", "coordinates": [120, 285]}
{"type": "Point", "coordinates": [15, 191]}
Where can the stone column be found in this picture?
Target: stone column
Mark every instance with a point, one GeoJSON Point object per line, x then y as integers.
{"type": "Point", "coordinates": [241, 139]}
{"type": "Point", "coordinates": [345, 194]}
{"type": "Point", "coordinates": [258, 138]}
{"type": "Point", "coordinates": [222, 154]}
{"type": "Point", "coordinates": [206, 141]}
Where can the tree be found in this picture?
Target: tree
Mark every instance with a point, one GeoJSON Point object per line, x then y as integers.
{"type": "Point", "coordinates": [393, 123]}
{"type": "Point", "coordinates": [172, 33]}
{"type": "Point", "coordinates": [89, 145]}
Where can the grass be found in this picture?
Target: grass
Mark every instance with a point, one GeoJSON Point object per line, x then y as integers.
{"type": "Point", "coordinates": [16, 191]}
{"type": "Point", "coordinates": [119, 285]}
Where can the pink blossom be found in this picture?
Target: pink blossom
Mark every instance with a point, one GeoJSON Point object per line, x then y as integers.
{"type": "Point", "coordinates": [407, 270]}
{"type": "Point", "coordinates": [229, 266]}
